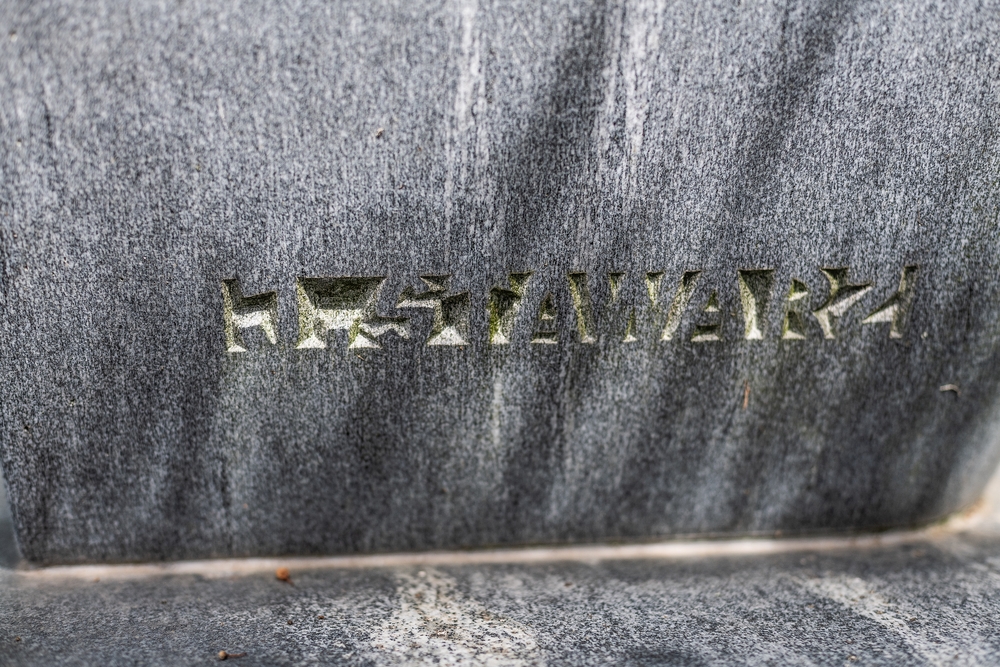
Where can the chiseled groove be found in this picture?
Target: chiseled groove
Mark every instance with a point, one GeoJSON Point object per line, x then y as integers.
{"type": "Point", "coordinates": [669, 550]}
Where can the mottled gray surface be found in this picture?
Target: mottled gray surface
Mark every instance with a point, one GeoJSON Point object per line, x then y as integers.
{"type": "Point", "coordinates": [151, 150]}
{"type": "Point", "coordinates": [927, 598]}
{"type": "Point", "coordinates": [9, 556]}
{"type": "Point", "coordinates": [929, 603]}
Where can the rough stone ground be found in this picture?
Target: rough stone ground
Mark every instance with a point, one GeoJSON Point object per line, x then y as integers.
{"type": "Point", "coordinates": [928, 598]}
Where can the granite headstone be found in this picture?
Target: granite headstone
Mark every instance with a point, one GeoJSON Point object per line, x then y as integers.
{"type": "Point", "coordinates": [313, 277]}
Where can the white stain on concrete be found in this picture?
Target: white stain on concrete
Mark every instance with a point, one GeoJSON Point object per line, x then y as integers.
{"type": "Point", "coordinates": [436, 624]}
{"type": "Point", "coordinates": [863, 598]}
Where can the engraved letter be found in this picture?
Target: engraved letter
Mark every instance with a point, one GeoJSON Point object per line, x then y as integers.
{"type": "Point", "coordinates": [504, 306]}
{"type": "Point", "coordinates": [347, 304]}
{"type": "Point", "coordinates": [615, 285]}
{"type": "Point", "coordinates": [704, 333]}
{"type": "Point", "coordinates": [629, 336]}
{"type": "Point", "coordinates": [244, 312]}
{"type": "Point", "coordinates": [794, 327]}
{"type": "Point", "coordinates": [653, 280]}
{"type": "Point", "coordinates": [580, 292]}
{"type": "Point", "coordinates": [842, 297]}
{"type": "Point", "coordinates": [897, 309]}
{"type": "Point", "coordinates": [680, 303]}
{"type": "Point", "coordinates": [546, 334]}
{"type": "Point", "coordinates": [451, 311]}
{"type": "Point", "coordinates": [755, 296]}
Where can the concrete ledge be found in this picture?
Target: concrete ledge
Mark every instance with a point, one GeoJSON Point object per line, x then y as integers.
{"type": "Point", "coordinates": [905, 598]}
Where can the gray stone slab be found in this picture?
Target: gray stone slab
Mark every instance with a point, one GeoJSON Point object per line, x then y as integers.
{"type": "Point", "coordinates": [711, 200]}
{"type": "Point", "coordinates": [9, 556]}
{"type": "Point", "coordinates": [935, 602]}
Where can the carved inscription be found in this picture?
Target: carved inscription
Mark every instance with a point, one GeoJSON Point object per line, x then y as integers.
{"type": "Point", "coordinates": [350, 304]}
{"type": "Point", "coordinates": [896, 310]}
{"type": "Point", "coordinates": [707, 332]}
{"type": "Point", "coordinates": [451, 311]}
{"type": "Point", "coordinates": [245, 312]}
{"type": "Point", "coordinates": [794, 327]}
{"type": "Point", "coordinates": [579, 290]}
{"type": "Point", "coordinates": [653, 280]}
{"type": "Point", "coordinates": [504, 307]}
{"type": "Point", "coordinates": [615, 280]}
{"type": "Point", "coordinates": [345, 304]}
{"type": "Point", "coordinates": [843, 295]}
{"type": "Point", "coordinates": [680, 303]}
{"type": "Point", "coordinates": [545, 332]}
{"type": "Point", "coordinates": [755, 295]}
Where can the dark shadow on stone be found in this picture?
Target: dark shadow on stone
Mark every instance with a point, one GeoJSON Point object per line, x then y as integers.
{"type": "Point", "coordinates": [800, 61]}
{"type": "Point", "coordinates": [548, 172]}
{"type": "Point", "coordinates": [9, 553]}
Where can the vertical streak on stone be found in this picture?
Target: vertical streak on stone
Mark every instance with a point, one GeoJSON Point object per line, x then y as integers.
{"type": "Point", "coordinates": [583, 306]}
{"type": "Point", "coordinates": [642, 28]}
{"type": "Point", "coordinates": [615, 308]}
{"type": "Point", "coordinates": [469, 72]}
{"type": "Point", "coordinates": [496, 414]}
{"type": "Point", "coordinates": [680, 303]}
{"type": "Point", "coordinates": [604, 126]}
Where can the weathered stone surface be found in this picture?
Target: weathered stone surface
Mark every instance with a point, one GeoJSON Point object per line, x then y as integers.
{"type": "Point", "coordinates": [930, 603]}
{"type": "Point", "coordinates": [9, 557]}
{"type": "Point", "coordinates": [265, 271]}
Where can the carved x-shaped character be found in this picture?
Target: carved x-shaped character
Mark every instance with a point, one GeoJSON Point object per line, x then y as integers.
{"type": "Point", "coordinates": [451, 311]}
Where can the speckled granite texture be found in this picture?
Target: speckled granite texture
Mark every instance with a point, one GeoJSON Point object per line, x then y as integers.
{"type": "Point", "coordinates": [9, 556]}
{"type": "Point", "coordinates": [920, 598]}
{"type": "Point", "coordinates": [633, 157]}
{"type": "Point", "coordinates": [930, 603]}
